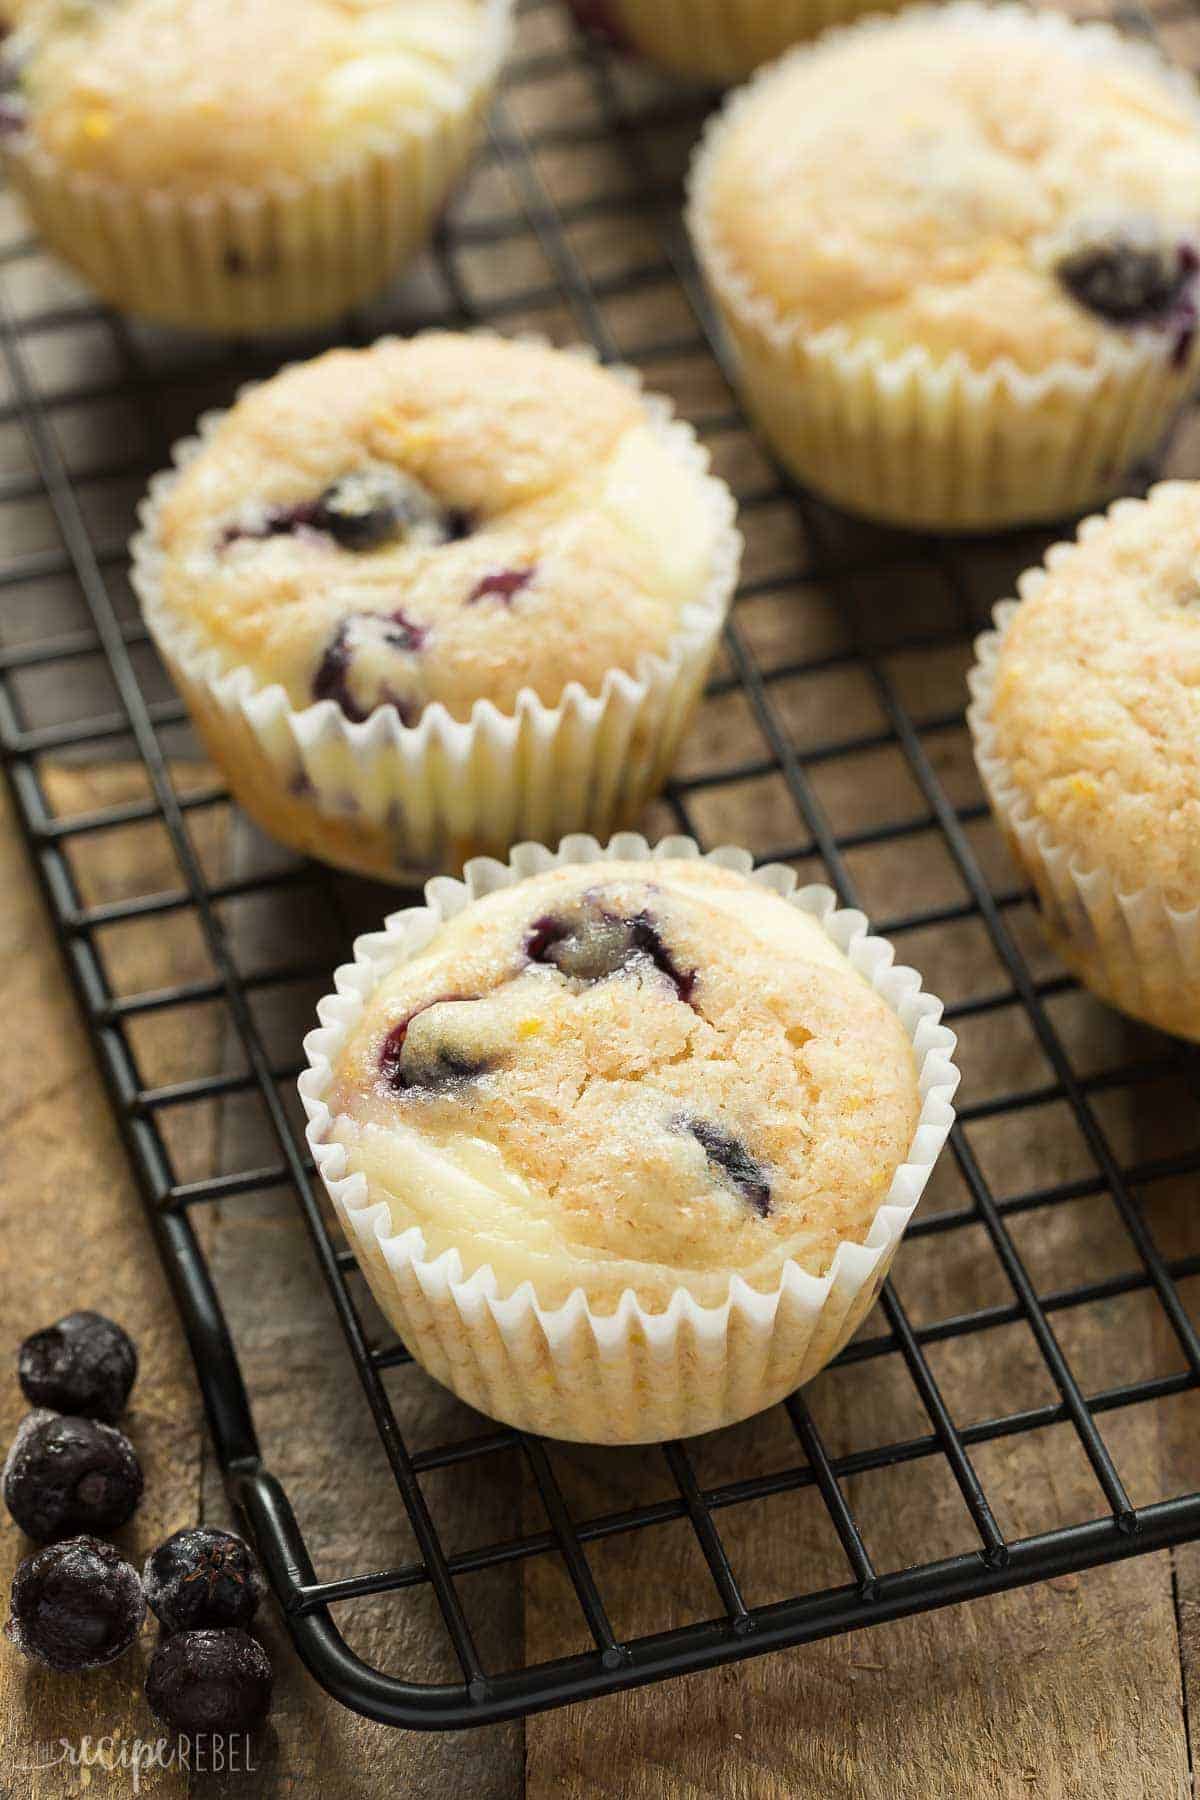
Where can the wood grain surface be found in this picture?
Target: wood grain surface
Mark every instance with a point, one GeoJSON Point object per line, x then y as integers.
{"type": "Point", "coordinates": [72, 1235]}
{"type": "Point", "coordinates": [1073, 1688]}
{"type": "Point", "coordinates": [1085, 1688]}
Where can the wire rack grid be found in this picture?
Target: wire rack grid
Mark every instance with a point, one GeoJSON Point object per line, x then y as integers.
{"type": "Point", "coordinates": [832, 736]}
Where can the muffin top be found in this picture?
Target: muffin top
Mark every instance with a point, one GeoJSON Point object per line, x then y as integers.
{"type": "Point", "coordinates": [1096, 704]}
{"type": "Point", "coordinates": [994, 183]}
{"type": "Point", "coordinates": [197, 94]}
{"type": "Point", "coordinates": [439, 519]}
{"type": "Point", "coordinates": [622, 1075]}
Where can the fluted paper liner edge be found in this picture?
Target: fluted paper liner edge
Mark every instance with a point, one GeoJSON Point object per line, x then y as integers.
{"type": "Point", "coordinates": [924, 441]}
{"type": "Point", "coordinates": [1132, 949]}
{"type": "Point", "coordinates": [390, 799]}
{"type": "Point", "coordinates": [632, 1375]}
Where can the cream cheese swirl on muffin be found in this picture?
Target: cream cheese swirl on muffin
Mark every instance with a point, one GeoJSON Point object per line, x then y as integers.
{"type": "Point", "coordinates": [205, 94]}
{"type": "Point", "coordinates": [620, 1075]}
{"type": "Point", "coordinates": [448, 519]}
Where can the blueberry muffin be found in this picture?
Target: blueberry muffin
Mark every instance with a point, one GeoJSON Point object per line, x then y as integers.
{"type": "Point", "coordinates": [241, 167]}
{"type": "Point", "coordinates": [957, 255]}
{"type": "Point", "coordinates": [625, 1100]}
{"type": "Point", "coordinates": [430, 597]}
{"type": "Point", "coordinates": [1086, 720]}
{"type": "Point", "coordinates": [711, 40]}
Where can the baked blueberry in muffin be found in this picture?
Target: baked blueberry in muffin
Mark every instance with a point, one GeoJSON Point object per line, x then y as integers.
{"type": "Point", "coordinates": [972, 305]}
{"type": "Point", "coordinates": [625, 1141]}
{"type": "Point", "coordinates": [447, 519]}
{"type": "Point", "coordinates": [592, 939]}
{"type": "Point", "coordinates": [1134, 274]}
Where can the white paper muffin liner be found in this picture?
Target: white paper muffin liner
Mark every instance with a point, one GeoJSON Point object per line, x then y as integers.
{"type": "Point", "coordinates": [631, 1375]}
{"type": "Point", "coordinates": [715, 40]}
{"type": "Point", "coordinates": [932, 443]}
{"type": "Point", "coordinates": [394, 801]}
{"type": "Point", "coordinates": [1132, 949]}
{"type": "Point", "coordinates": [289, 254]}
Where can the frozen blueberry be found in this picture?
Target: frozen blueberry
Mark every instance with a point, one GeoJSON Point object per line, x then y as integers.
{"type": "Point", "coordinates": [85, 1364]}
{"type": "Point", "coordinates": [344, 669]}
{"type": "Point", "coordinates": [75, 1605]}
{"type": "Point", "coordinates": [378, 505]}
{"type": "Point", "coordinates": [1128, 273]}
{"type": "Point", "coordinates": [68, 1475]}
{"type": "Point", "coordinates": [203, 1577]}
{"type": "Point", "coordinates": [502, 584]}
{"type": "Point", "coordinates": [592, 942]}
{"type": "Point", "coordinates": [435, 1060]}
{"type": "Point", "coordinates": [209, 1681]}
{"type": "Point", "coordinates": [730, 1157]}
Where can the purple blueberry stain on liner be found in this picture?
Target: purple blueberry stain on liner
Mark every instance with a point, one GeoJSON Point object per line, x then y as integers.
{"type": "Point", "coordinates": [500, 584]}
{"type": "Point", "coordinates": [1186, 313]}
{"type": "Point", "coordinates": [599, 18]}
{"type": "Point", "coordinates": [238, 263]}
{"type": "Point", "coordinates": [730, 1158]}
{"type": "Point", "coordinates": [14, 107]}
{"type": "Point", "coordinates": [14, 115]}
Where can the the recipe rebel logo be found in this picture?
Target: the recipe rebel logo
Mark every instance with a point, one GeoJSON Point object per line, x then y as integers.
{"type": "Point", "coordinates": [203, 1753]}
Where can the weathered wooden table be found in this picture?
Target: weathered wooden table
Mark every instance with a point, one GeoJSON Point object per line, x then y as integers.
{"type": "Point", "coordinates": [1079, 1687]}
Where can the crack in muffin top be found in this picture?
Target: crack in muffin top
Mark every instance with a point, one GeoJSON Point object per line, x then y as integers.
{"type": "Point", "coordinates": [1096, 702]}
{"type": "Point", "coordinates": [965, 182]}
{"type": "Point", "coordinates": [206, 94]}
{"type": "Point", "coordinates": [626, 1075]}
{"type": "Point", "coordinates": [445, 519]}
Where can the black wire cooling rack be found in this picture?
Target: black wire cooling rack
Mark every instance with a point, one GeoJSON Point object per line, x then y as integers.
{"type": "Point", "coordinates": [572, 225]}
